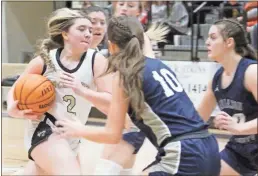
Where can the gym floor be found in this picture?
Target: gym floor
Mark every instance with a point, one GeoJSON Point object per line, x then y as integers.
{"type": "Point", "coordinates": [14, 155]}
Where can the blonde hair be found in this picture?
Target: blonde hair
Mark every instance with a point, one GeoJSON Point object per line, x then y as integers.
{"type": "Point", "coordinates": [157, 32]}
{"type": "Point", "coordinates": [59, 21]}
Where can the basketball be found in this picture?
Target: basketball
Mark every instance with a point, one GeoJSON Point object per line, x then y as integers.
{"type": "Point", "coordinates": [34, 92]}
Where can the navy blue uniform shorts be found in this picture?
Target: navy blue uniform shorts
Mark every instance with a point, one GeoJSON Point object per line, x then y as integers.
{"type": "Point", "coordinates": [189, 157]}
{"type": "Point", "coordinates": [136, 139]}
{"type": "Point", "coordinates": [243, 158]}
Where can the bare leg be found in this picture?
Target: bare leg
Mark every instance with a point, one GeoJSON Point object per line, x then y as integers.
{"type": "Point", "coordinates": [32, 169]}
{"type": "Point", "coordinates": [56, 157]}
{"type": "Point", "coordinates": [121, 153]}
{"type": "Point", "coordinates": [227, 170]}
{"type": "Point", "coordinates": [130, 163]}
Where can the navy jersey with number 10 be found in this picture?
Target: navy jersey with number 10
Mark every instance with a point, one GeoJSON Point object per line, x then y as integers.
{"type": "Point", "coordinates": [170, 112]}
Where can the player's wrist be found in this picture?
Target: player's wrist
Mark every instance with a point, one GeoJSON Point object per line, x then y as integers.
{"type": "Point", "coordinates": [86, 92]}
{"type": "Point", "coordinates": [83, 132]}
{"type": "Point", "coordinates": [240, 129]}
{"type": "Point", "coordinates": [83, 91]}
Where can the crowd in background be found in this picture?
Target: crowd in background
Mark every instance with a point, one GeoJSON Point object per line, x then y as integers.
{"type": "Point", "coordinates": [180, 15]}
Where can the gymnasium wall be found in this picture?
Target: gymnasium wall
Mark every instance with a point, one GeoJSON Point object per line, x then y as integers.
{"type": "Point", "coordinates": [22, 25]}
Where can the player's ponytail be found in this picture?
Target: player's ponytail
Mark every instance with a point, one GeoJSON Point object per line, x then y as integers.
{"type": "Point", "coordinates": [43, 51]}
{"type": "Point", "coordinates": [127, 34]}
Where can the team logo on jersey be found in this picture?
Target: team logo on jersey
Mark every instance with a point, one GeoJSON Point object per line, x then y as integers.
{"type": "Point", "coordinates": [41, 133]}
{"type": "Point", "coordinates": [85, 85]}
{"type": "Point", "coordinates": [230, 104]}
{"type": "Point", "coordinates": [61, 85]}
{"type": "Point", "coordinates": [216, 89]}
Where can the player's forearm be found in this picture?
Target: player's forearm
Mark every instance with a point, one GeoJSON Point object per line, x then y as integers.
{"type": "Point", "coordinates": [101, 100]}
{"type": "Point", "coordinates": [10, 99]}
{"type": "Point", "coordinates": [249, 127]}
{"type": "Point", "coordinates": [205, 112]}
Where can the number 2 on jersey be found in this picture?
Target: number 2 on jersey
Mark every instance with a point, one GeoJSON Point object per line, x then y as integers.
{"type": "Point", "coordinates": [72, 103]}
{"type": "Point", "coordinates": [169, 84]}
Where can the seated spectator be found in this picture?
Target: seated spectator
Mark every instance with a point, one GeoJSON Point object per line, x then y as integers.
{"type": "Point", "coordinates": [158, 11]}
{"type": "Point", "coordinates": [109, 9]}
{"type": "Point", "coordinates": [254, 37]}
{"type": "Point", "coordinates": [177, 21]}
{"type": "Point", "coordinates": [251, 10]}
{"type": "Point", "coordinates": [251, 15]}
{"type": "Point", "coordinates": [143, 16]}
{"type": "Point", "coordinates": [233, 12]}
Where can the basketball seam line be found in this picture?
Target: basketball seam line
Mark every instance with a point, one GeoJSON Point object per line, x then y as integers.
{"type": "Point", "coordinates": [32, 91]}
{"type": "Point", "coordinates": [43, 111]}
{"type": "Point", "coordinates": [39, 101]}
{"type": "Point", "coordinates": [21, 92]}
{"type": "Point", "coordinates": [44, 99]}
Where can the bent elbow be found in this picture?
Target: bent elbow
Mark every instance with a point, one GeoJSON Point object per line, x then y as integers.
{"type": "Point", "coordinates": [115, 139]}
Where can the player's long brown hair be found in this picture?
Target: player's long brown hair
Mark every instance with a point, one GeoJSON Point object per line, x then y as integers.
{"type": "Point", "coordinates": [127, 34]}
{"type": "Point", "coordinates": [232, 28]}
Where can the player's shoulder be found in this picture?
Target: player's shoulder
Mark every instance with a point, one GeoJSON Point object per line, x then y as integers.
{"type": "Point", "coordinates": [251, 72]}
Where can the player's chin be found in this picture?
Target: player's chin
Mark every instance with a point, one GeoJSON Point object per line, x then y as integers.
{"type": "Point", "coordinates": [211, 56]}
{"type": "Point", "coordinates": [84, 47]}
{"type": "Point", "coordinates": [85, 44]}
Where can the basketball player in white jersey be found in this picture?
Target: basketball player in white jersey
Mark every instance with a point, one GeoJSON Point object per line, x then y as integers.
{"type": "Point", "coordinates": [62, 58]}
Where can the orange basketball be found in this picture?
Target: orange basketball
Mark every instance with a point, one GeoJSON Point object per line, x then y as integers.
{"type": "Point", "coordinates": [34, 92]}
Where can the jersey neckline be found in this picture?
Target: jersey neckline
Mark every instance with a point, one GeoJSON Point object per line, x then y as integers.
{"type": "Point", "coordinates": [233, 80]}
{"type": "Point", "coordinates": [58, 53]}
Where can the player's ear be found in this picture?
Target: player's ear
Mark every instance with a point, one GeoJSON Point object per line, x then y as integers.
{"type": "Point", "coordinates": [112, 47]}
{"type": "Point", "coordinates": [64, 35]}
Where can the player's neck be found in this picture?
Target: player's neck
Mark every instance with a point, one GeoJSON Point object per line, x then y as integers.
{"type": "Point", "coordinates": [94, 45]}
{"type": "Point", "coordinates": [69, 54]}
{"type": "Point", "coordinates": [230, 63]}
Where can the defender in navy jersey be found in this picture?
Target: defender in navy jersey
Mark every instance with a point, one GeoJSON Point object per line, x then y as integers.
{"type": "Point", "coordinates": [158, 106]}
{"type": "Point", "coordinates": [234, 89]}
{"type": "Point", "coordinates": [124, 153]}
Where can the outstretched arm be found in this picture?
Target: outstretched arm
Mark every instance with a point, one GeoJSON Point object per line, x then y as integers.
{"type": "Point", "coordinates": [102, 97]}
{"type": "Point", "coordinates": [207, 104]}
{"type": "Point", "coordinates": [112, 132]}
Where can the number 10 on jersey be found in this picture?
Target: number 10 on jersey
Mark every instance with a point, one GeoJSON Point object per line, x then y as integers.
{"type": "Point", "coordinates": [168, 82]}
